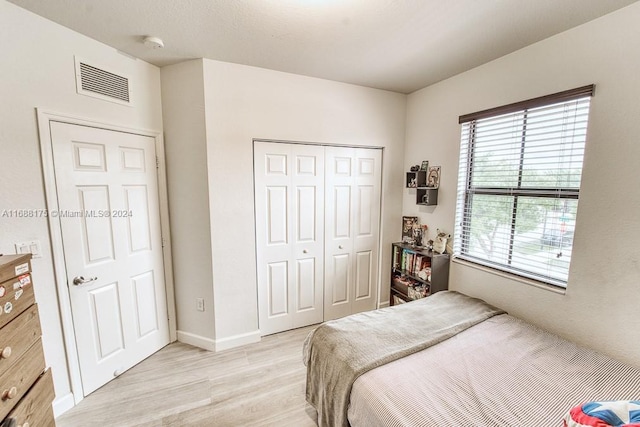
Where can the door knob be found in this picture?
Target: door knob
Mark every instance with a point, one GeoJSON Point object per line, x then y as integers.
{"type": "Point", "coordinates": [80, 280]}
{"type": "Point", "coordinates": [304, 251]}
{"type": "Point", "coordinates": [340, 247]}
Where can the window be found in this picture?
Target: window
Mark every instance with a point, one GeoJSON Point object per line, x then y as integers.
{"type": "Point", "coordinates": [519, 184]}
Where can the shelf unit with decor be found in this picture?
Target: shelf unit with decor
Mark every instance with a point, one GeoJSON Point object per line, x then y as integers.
{"type": "Point", "coordinates": [416, 273]}
{"type": "Point", "coordinates": [425, 196]}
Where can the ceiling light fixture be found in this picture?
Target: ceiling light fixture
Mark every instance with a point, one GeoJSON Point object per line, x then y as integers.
{"type": "Point", "coordinates": [153, 42]}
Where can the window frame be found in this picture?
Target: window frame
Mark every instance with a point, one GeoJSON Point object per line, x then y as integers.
{"type": "Point", "coordinates": [466, 191]}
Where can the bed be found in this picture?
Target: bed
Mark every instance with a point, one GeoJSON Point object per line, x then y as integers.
{"type": "Point", "coordinates": [454, 361]}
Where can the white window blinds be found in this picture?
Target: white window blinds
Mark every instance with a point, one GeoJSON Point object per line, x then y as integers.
{"type": "Point", "coordinates": [519, 183]}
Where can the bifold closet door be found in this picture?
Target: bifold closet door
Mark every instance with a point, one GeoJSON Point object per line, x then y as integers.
{"type": "Point", "coordinates": [289, 197]}
{"type": "Point", "coordinates": [352, 223]}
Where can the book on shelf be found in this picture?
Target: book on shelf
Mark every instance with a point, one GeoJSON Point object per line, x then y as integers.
{"type": "Point", "coordinates": [417, 265]}
{"type": "Point", "coordinates": [397, 258]}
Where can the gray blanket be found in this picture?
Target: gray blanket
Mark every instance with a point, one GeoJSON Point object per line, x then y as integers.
{"type": "Point", "coordinates": [341, 350]}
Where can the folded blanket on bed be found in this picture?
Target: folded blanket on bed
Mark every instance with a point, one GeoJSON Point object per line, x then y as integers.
{"type": "Point", "coordinates": [341, 350]}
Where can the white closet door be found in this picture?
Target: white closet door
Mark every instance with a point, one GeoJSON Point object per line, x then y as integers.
{"type": "Point", "coordinates": [352, 222]}
{"type": "Point", "coordinates": [289, 193]}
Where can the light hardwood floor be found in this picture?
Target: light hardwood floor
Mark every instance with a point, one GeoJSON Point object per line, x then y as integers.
{"type": "Point", "coordinates": [259, 384]}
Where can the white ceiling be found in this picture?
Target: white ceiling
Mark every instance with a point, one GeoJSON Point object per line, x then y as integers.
{"type": "Point", "coordinates": [398, 45]}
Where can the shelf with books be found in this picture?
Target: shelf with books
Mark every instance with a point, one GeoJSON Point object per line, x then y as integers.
{"type": "Point", "coordinates": [417, 272]}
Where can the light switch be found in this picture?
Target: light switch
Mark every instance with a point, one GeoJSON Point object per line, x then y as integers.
{"type": "Point", "coordinates": [32, 247]}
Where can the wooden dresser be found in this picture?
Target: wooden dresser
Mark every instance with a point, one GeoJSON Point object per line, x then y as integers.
{"type": "Point", "coordinates": [26, 389]}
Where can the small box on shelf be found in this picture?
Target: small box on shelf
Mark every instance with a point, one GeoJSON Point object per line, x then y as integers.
{"type": "Point", "coordinates": [427, 196]}
{"type": "Point", "coordinates": [411, 181]}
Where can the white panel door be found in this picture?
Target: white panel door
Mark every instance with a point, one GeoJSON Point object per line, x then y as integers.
{"type": "Point", "coordinates": [352, 222]}
{"type": "Point", "coordinates": [289, 188]}
{"type": "Point", "coordinates": [109, 215]}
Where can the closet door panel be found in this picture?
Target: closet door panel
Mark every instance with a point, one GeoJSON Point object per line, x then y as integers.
{"type": "Point", "coordinates": [367, 188]}
{"type": "Point", "coordinates": [289, 206]}
{"type": "Point", "coordinates": [308, 228]}
{"type": "Point", "coordinates": [272, 165]}
{"type": "Point", "coordinates": [352, 221]}
{"type": "Point", "coordinates": [339, 218]}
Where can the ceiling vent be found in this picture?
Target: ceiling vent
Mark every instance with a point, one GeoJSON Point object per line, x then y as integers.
{"type": "Point", "coordinates": [99, 83]}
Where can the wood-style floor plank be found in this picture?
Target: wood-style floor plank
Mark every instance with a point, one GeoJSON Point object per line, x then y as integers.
{"type": "Point", "coordinates": [259, 384]}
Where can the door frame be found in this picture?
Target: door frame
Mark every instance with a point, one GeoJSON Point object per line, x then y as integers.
{"type": "Point", "coordinates": [44, 119]}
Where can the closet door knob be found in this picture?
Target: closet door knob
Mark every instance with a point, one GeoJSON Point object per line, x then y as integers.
{"type": "Point", "coordinates": [340, 247]}
{"type": "Point", "coordinates": [304, 251]}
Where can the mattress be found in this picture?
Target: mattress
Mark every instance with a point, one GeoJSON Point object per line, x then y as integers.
{"type": "Point", "coordinates": [501, 372]}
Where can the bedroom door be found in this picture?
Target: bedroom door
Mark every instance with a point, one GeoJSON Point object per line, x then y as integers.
{"type": "Point", "coordinates": [352, 223]}
{"type": "Point", "coordinates": [289, 202]}
{"type": "Point", "coordinates": [109, 216]}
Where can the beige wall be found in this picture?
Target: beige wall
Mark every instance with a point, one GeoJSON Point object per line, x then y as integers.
{"type": "Point", "coordinates": [38, 71]}
{"type": "Point", "coordinates": [602, 299]}
{"type": "Point", "coordinates": [242, 103]}
{"type": "Point", "coordinates": [245, 103]}
{"type": "Point", "coordinates": [186, 153]}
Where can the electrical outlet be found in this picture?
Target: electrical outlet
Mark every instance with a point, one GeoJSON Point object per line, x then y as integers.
{"type": "Point", "coordinates": [200, 304]}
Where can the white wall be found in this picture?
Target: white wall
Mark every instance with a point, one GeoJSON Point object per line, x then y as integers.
{"type": "Point", "coordinates": [186, 153]}
{"type": "Point", "coordinates": [600, 307]}
{"type": "Point", "coordinates": [38, 71]}
{"type": "Point", "coordinates": [247, 102]}
{"type": "Point", "coordinates": [243, 103]}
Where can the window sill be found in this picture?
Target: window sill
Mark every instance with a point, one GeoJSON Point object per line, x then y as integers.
{"type": "Point", "coordinates": [514, 277]}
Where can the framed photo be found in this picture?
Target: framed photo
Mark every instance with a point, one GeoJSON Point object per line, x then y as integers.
{"type": "Point", "coordinates": [408, 224]}
{"type": "Point", "coordinates": [433, 177]}
{"type": "Point", "coordinates": [425, 165]}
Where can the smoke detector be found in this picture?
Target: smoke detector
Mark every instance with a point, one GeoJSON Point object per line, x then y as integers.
{"type": "Point", "coordinates": [153, 42]}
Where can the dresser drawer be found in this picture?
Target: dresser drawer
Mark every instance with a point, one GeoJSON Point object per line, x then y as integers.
{"type": "Point", "coordinates": [14, 265]}
{"type": "Point", "coordinates": [34, 410]}
{"type": "Point", "coordinates": [20, 376]}
{"type": "Point", "coordinates": [17, 336]}
{"type": "Point", "coordinates": [16, 295]}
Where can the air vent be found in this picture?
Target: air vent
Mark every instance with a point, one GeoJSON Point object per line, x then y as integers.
{"type": "Point", "coordinates": [99, 83]}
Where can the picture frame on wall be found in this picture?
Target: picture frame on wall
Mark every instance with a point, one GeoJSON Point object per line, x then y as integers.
{"type": "Point", "coordinates": [433, 177]}
{"type": "Point", "coordinates": [425, 165]}
{"type": "Point", "coordinates": [408, 224]}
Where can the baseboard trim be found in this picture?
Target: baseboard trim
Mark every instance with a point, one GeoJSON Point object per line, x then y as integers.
{"type": "Point", "coordinates": [196, 340]}
{"type": "Point", "coordinates": [238, 340]}
{"type": "Point", "coordinates": [383, 304]}
{"type": "Point", "coordinates": [62, 404]}
{"type": "Point", "coordinates": [220, 344]}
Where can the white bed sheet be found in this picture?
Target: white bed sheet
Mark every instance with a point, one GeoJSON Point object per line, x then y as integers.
{"type": "Point", "coordinates": [501, 372]}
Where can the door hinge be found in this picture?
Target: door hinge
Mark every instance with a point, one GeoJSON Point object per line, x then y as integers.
{"type": "Point", "coordinates": [157, 163]}
{"type": "Point", "coordinates": [164, 242]}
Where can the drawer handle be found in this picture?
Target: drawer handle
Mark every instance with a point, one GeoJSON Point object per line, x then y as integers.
{"type": "Point", "coordinates": [6, 352]}
{"type": "Point", "coordinates": [9, 394]}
